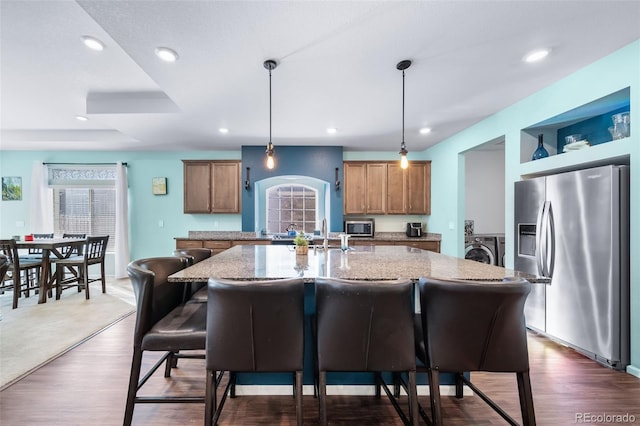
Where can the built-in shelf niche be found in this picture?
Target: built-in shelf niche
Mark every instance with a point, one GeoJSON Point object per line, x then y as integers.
{"type": "Point", "coordinates": [592, 120]}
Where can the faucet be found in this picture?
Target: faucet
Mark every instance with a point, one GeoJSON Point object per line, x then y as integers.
{"type": "Point", "coordinates": [325, 235]}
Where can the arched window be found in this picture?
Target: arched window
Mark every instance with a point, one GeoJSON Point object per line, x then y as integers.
{"type": "Point", "coordinates": [291, 204]}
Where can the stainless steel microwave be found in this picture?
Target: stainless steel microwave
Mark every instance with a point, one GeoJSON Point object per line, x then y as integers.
{"type": "Point", "coordinates": [359, 227]}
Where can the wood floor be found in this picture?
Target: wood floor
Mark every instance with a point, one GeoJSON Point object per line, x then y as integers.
{"type": "Point", "coordinates": [87, 386]}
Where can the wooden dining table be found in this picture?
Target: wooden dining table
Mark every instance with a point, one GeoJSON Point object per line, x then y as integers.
{"type": "Point", "coordinates": [49, 247]}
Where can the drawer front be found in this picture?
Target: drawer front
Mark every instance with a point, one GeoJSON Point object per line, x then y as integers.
{"type": "Point", "coordinates": [424, 245]}
{"type": "Point", "coordinates": [251, 243]}
{"type": "Point", "coordinates": [217, 244]}
{"type": "Point", "coordinates": [187, 244]}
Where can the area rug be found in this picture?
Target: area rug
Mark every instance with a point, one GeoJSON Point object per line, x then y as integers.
{"type": "Point", "coordinates": [32, 336]}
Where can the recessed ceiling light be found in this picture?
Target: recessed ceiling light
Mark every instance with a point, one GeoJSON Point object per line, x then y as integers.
{"type": "Point", "coordinates": [425, 130]}
{"type": "Point", "coordinates": [223, 130]}
{"type": "Point", "coordinates": [92, 43]}
{"type": "Point", "coordinates": [81, 118]}
{"type": "Point", "coordinates": [332, 130]}
{"type": "Point", "coordinates": [166, 54]}
{"type": "Point", "coordinates": [536, 55]}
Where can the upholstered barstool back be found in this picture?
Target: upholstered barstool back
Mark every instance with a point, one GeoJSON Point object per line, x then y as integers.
{"type": "Point", "coordinates": [253, 326]}
{"type": "Point", "coordinates": [197, 291]}
{"type": "Point", "coordinates": [163, 323]}
{"type": "Point", "coordinates": [475, 326]}
{"type": "Point", "coordinates": [196, 254]}
{"type": "Point", "coordinates": [365, 326]}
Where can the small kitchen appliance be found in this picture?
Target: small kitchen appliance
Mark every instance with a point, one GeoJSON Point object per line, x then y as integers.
{"type": "Point", "coordinates": [359, 227]}
{"type": "Point", "coordinates": [414, 229]}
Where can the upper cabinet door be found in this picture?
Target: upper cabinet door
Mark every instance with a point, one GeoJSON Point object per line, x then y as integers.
{"type": "Point", "coordinates": [197, 187]}
{"type": "Point", "coordinates": [225, 188]}
{"type": "Point", "coordinates": [396, 188]}
{"type": "Point", "coordinates": [376, 188]}
{"type": "Point", "coordinates": [355, 186]}
{"type": "Point", "coordinates": [418, 193]}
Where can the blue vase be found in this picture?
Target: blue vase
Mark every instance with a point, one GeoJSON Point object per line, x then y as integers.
{"type": "Point", "coordinates": [540, 152]}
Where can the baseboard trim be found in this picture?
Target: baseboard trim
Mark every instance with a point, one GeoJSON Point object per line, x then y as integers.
{"type": "Point", "coordinates": [349, 390]}
{"type": "Point", "coordinates": [633, 370]}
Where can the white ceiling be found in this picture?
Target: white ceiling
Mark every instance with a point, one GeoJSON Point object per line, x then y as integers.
{"type": "Point", "coordinates": [337, 68]}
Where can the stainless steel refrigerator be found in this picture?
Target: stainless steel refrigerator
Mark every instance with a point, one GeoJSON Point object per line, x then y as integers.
{"type": "Point", "coordinates": [574, 228]}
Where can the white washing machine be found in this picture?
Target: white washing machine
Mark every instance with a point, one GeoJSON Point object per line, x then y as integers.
{"type": "Point", "coordinates": [481, 248]}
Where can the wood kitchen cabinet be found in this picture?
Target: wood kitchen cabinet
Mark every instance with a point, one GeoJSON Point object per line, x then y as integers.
{"type": "Point", "coordinates": [418, 188]}
{"type": "Point", "coordinates": [211, 186]}
{"type": "Point", "coordinates": [409, 190]}
{"type": "Point", "coordinates": [365, 187]}
{"type": "Point", "coordinates": [385, 188]}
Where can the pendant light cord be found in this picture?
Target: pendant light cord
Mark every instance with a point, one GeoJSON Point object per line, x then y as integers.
{"type": "Point", "coordinates": [269, 106]}
{"type": "Point", "coordinates": [403, 108]}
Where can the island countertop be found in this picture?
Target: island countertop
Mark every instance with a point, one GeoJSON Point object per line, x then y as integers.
{"type": "Point", "coordinates": [255, 262]}
{"type": "Point", "coordinates": [252, 236]}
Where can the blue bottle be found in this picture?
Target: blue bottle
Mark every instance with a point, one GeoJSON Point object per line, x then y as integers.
{"type": "Point", "coordinates": [540, 152]}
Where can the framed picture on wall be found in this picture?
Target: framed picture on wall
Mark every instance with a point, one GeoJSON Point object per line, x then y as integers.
{"type": "Point", "coordinates": [11, 188]}
{"type": "Point", "coordinates": [159, 185]}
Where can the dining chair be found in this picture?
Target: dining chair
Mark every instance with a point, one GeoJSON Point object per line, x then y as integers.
{"type": "Point", "coordinates": [4, 267]}
{"type": "Point", "coordinates": [93, 253]}
{"type": "Point", "coordinates": [19, 271]}
{"type": "Point", "coordinates": [474, 326]}
{"type": "Point", "coordinates": [366, 326]}
{"type": "Point", "coordinates": [164, 324]}
{"type": "Point", "coordinates": [196, 292]}
{"type": "Point", "coordinates": [253, 326]}
{"type": "Point", "coordinates": [76, 250]}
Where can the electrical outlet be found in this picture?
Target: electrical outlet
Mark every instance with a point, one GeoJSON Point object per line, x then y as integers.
{"type": "Point", "coordinates": [452, 225]}
{"type": "Point", "coordinates": [161, 223]}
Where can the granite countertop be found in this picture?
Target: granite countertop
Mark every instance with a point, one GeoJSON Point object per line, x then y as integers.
{"type": "Point", "coordinates": [239, 236]}
{"type": "Point", "coordinates": [251, 262]}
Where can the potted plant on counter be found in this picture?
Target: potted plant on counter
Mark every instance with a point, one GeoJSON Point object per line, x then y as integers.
{"type": "Point", "coordinates": [302, 244]}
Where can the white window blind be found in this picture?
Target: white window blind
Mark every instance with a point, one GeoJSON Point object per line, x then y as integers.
{"type": "Point", "coordinates": [84, 200]}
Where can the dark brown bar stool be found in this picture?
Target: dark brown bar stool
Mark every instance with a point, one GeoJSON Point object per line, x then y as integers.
{"type": "Point", "coordinates": [196, 292]}
{"type": "Point", "coordinates": [475, 326]}
{"type": "Point", "coordinates": [253, 326]}
{"type": "Point", "coordinates": [163, 324]}
{"type": "Point", "coordinates": [366, 326]}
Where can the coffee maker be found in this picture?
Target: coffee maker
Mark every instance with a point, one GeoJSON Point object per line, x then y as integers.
{"type": "Point", "coordinates": [414, 229]}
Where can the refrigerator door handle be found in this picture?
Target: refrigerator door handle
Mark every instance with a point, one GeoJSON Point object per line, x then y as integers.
{"type": "Point", "coordinates": [540, 252]}
{"type": "Point", "coordinates": [551, 239]}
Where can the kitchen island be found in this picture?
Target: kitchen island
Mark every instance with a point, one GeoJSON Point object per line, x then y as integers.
{"type": "Point", "coordinates": [381, 262]}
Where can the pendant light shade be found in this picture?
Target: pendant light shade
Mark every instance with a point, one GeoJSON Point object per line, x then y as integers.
{"type": "Point", "coordinates": [270, 64]}
{"type": "Point", "coordinates": [404, 163]}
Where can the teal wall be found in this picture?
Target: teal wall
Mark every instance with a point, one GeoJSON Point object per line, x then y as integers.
{"type": "Point", "coordinates": [608, 75]}
{"type": "Point", "coordinates": [146, 210]}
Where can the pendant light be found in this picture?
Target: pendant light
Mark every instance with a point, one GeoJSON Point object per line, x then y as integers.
{"type": "Point", "coordinates": [404, 163]}
{"type": "Point", "coordinates": [270, 64]}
